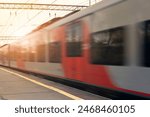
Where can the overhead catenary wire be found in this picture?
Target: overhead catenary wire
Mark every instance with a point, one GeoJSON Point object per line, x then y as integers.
{"type": "Point", "coordinates": [21, 24]}
{"type": "Point", "coordinates": [10, 20]}
{"type": "Point", "coordinates": [30, 19]}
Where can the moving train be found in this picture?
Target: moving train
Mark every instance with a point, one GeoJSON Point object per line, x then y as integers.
{"type": "Point", "coordinates": [104, 48]}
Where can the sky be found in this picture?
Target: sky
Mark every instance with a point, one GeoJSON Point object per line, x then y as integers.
{"type": "Point", "coordinates": [14, 22]}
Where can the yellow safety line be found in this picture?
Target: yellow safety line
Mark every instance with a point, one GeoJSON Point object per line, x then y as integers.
{"type": "Point", "coordinates": [44, 85]}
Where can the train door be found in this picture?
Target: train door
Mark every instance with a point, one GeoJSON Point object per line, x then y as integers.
{"type": "Point", "coordinates": [74, 56]}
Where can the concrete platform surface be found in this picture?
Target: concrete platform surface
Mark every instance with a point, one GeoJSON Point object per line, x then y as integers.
{"type": "Point", "coordinates": [13, 87]}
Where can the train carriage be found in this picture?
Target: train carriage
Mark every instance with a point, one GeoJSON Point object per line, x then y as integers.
{"type": "Point", "coordinates": [106, 45]}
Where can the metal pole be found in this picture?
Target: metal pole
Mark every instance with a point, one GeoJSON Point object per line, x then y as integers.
{"type": "Point", "coordinates": [89, 2]}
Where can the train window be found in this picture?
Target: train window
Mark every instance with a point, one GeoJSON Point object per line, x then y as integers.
{"type": "Point", "coordinates": [74, 40]}
{"type": "Point", "coordinates": [145, 28]}
{"type": "Point", "coordinates": [15, 53]}
{"type": "Point", "coordinates": [54, 52]}
{"type": "Point", "coordinates": [107, 47]}
{"type": "Point", "coordinates": [41, 53]}
{"type": "Point", "coordinates": [23, 53]}
{"type": "Point", "coordinates": [12, 53]}
{"type": "Point", "coordinates": [32, 54]}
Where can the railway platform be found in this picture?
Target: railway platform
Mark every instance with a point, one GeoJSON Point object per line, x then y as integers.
{"type": "Point", "coordinates": [15, 85]}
